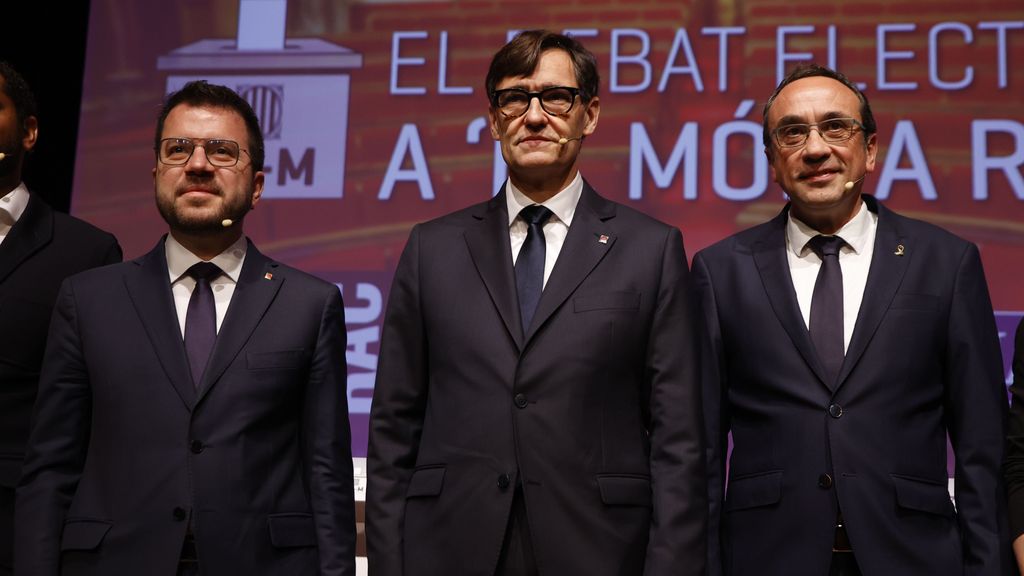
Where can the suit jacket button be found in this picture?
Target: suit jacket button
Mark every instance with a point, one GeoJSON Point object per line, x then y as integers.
{"type": "Point", "coordinates": [504, 481]}
{"type": "Point", "coordinates": [835, 410]}
{"type": "Point", "coordinates": [825, 481]}
{"type": "Point", "coordinates": [520, 400]}
{"type": "Point", "coordinates": [179, 513]}
{"type": "Point", "coordinates": [196, 446]}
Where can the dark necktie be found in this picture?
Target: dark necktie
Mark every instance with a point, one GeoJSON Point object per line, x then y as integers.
{"type": "Point", "coordinates": [826, 325]}
{"type": "Point", "coordinates": [530, 263]}
{"type": "Point", "coordinates": [201, 319]}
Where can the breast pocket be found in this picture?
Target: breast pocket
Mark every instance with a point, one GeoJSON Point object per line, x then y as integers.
{"type": "Point", "coordinates": [623, 301]}
{"type": "Point", "coordinates": [295, 359]}
{"type": "Point", "coordinates": [922, 302]}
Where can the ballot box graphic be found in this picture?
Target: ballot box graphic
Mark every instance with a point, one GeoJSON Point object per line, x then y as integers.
{"type": "Point", "coordinates": [299, 89]}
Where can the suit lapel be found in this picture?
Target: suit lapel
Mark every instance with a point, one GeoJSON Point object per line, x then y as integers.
{"type": "Point", "coordinates": [884, 277]}
{"type": "Point", "coordinates": [491, 251]}
{"type": "Point", "coordinates": [29, 234]}
{"type": "Point", "coordinates": [258, 283]}
{"type": "Point", "coordinates": [149, 289]}
{"type": "Point", "coordinates": [590, 237]}
{"type": "Point", "coordinates": [773, 266]}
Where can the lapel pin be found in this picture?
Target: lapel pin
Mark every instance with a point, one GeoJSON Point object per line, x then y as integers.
{"type": "Point", "coordinates": [268, 276]}
{"type": "Point", "coordinates": [603, 238]}
{"type": "Point", "coordinates": [900, 250]}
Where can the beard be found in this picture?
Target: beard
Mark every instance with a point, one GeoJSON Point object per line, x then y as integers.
{"type": "Point", "coordinates": [203, 223]}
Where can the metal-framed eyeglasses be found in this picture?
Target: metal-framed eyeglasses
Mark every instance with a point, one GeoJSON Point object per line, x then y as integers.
{"type": "Point", "coordinates": [178, 151]}
{"type": "Point", "coordinates": [833, 131]}
{"type": "Point", "coordinates": [514, 102]}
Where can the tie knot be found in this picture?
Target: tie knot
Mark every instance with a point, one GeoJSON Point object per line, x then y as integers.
{"type": "Point", "coordinates": [535, 215]}
{"type": "Point", "coordinates": [826, 245]}
{"type": "Point", "coordinates": [204, 271]}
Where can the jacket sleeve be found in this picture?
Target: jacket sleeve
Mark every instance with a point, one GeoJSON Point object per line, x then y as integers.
{"type": "Point", "coordinates": [396, 415]}
{"type": "Point", "coordinates": [677, 541]}
{"type": "Point", "coordinates": [1014, 463]}
{"type": "Point", "coordinates": [976, 408]}
{"type": "Point", "coordinates": [111, 253]}
{"type": "Point", "coordinates": [716, 416]}
{"type": "Point", "coordinates": [57, 444]}
{"type": "Point", "coordinates": [327, 444]}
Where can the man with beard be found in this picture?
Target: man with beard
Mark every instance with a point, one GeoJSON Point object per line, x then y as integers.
{"type": "Point", "coordinates": [39, 248]}
{"type": "Point", "coordinates": [193, 410]}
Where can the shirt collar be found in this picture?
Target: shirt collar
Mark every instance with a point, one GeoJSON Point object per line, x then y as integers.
{"type": "Point", "coordinates": [179, 259]}
{"type": "Point", "coordinates": [14, 202]}
{"type": "Point", "coordinates": [562, 205]}
{"type": "Point", "coordinates": [855, 233]}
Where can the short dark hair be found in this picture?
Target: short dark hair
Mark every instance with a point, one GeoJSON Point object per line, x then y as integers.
{"type": "Point", "coordinates": [811, 70]}
{"type": "Point", "coordinates": [202, 93]}
{"type": "Point", "coordinates": [17, 89]}
{"type": "Point", "coordinates": [520, 57]}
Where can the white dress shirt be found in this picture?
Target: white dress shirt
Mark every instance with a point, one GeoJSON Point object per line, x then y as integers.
{"type": "Point", "coordinates": [854, 261]}
{"type": "Point", "coordinates": [12, 206]}
{"type": "Point", "coordinates": [562, 206]}
{"type": "Point", "coordinates": [179, 260]}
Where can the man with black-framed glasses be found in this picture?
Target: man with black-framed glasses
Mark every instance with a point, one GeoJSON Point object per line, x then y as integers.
{"type": "Point", "coordinates": [192, 416]}
{"type": "Point", "coordinates": [536, 409]}
{"type": "Point", "coordinates": [841, 344]}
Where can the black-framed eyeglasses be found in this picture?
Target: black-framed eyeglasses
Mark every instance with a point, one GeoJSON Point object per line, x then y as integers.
{"type": "Point", "coordinates": [514, 102]}
{"type": "Point", "coordinates": [833, 131]}
{"type": "Point", "coordinates": [220, 153]}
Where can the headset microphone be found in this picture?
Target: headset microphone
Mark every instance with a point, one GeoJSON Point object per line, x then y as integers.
{"type": "Point", "coordinates": [849, 185]}
{"type": "Point", "coordinates": [2, 155]}
{"type": "Point", "coordinates": [563, 140]}
{"type": "Point", "coordinates": [227, 222]}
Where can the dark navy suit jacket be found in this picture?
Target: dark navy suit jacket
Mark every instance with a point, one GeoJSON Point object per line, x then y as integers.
{"type": "Point", "coordinates": [923, 362]}
{"type": "Point", "coordinates": [596, 406]}
{"type": "Point", "coordinates": [42, 249]}
{"type": "Point", "coordinates": [125, 452]}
